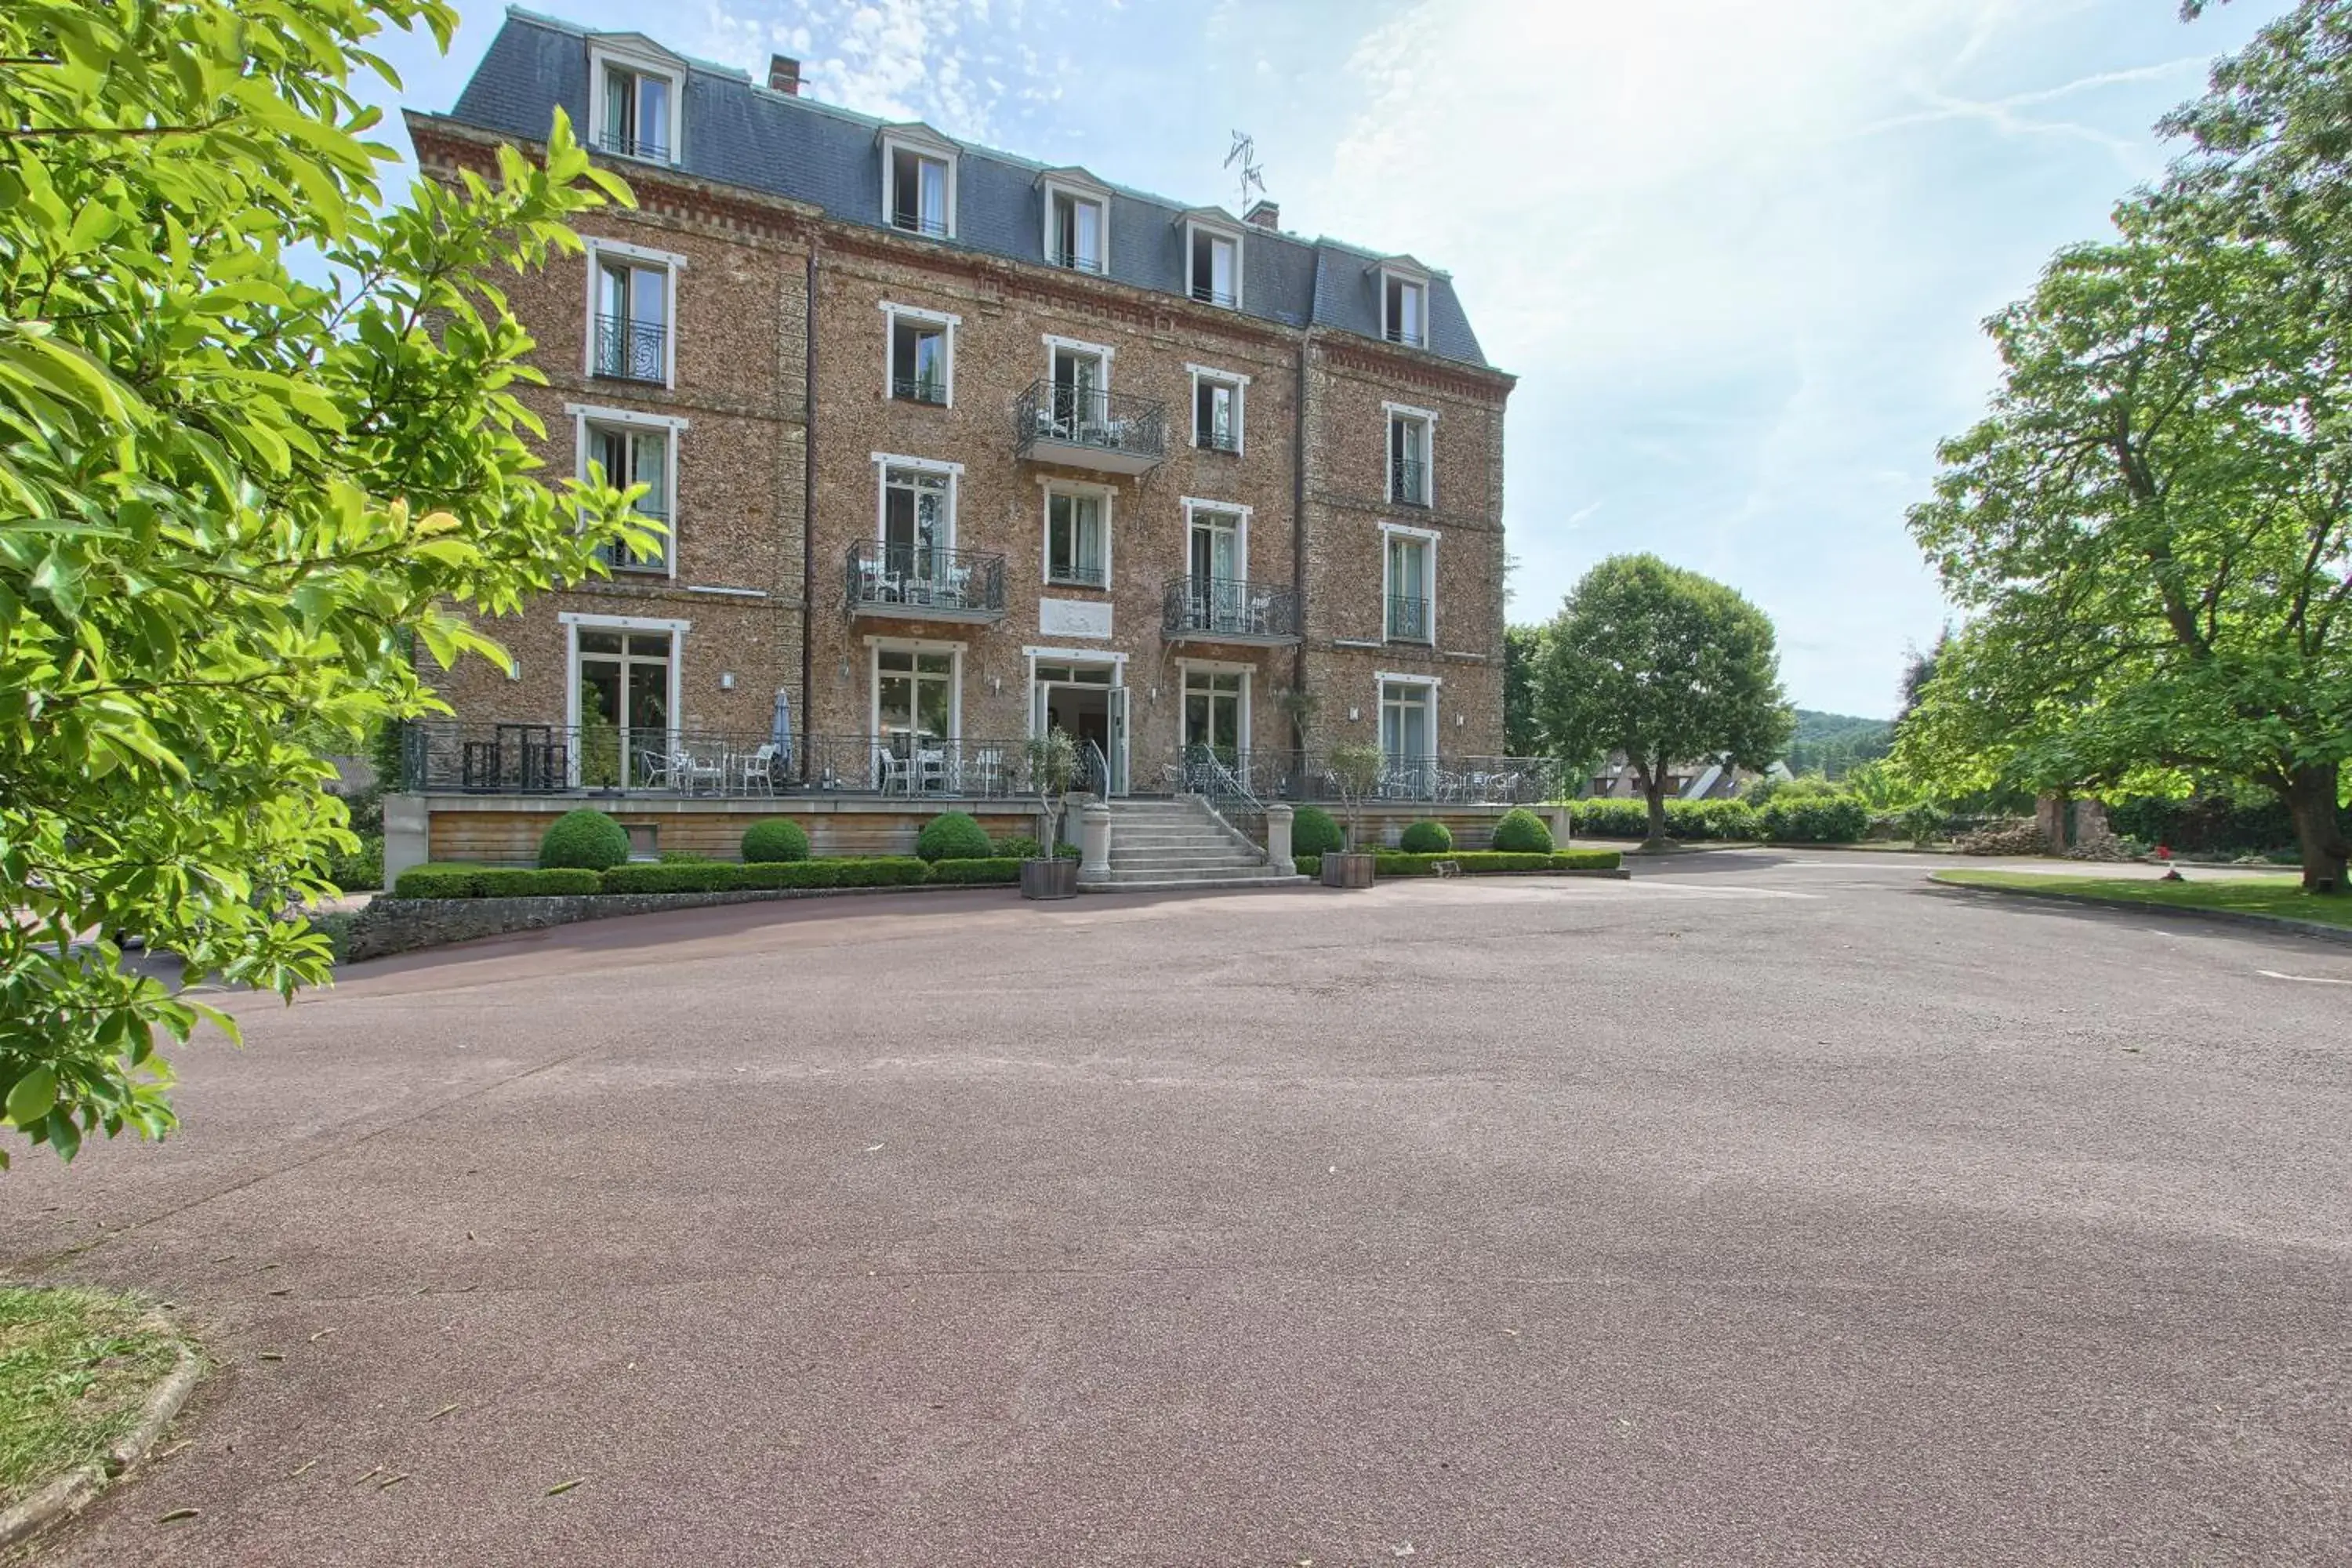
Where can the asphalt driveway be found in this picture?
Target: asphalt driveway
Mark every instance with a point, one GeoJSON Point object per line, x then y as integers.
{"type": "Point", "coordinates": [1769, 1209]}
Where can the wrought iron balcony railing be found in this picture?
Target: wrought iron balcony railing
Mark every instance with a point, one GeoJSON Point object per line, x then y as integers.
{"type": "Point", "coordinates": [1442, 779]}
{"type": "Point", "coordinates": [1409, 339]}
{"type": "Point", "coordinates": [915, 222]}
{"type": "Point", "coordinates": [1207, 295]}
{"type": "Point", "coordinates": [1409, 482]}
{"type": "Point", "coordinates": [1408, 619]}
{"type": "Point", "coordinates": [632, 351]}
{"type": "Point", "coordinates": [526, 757]}
{"type": "Point", "coordinates": [932, 390]}
{"type": "Point", "coordinates": [621, 144]}
{"type": "Point", "coordinates": [1226, 437]}
{"type": "Point", "coordinates": [1229, 609]}
{"type": "Point", "coordinates": [923, 582]}
{"type": "Point", "coordinates": [1077, 424]}
{"type": "Point", "coordinates": [1078, 261]}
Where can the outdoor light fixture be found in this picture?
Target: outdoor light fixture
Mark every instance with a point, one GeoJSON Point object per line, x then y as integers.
{"type": "Point", "coordinates": [1354, 714]}
{"type": "Point", "coordinates": [726, 680]}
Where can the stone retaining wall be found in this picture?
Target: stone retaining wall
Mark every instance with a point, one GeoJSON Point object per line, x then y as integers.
{"type": "Point", "coordinates": [390, 925]}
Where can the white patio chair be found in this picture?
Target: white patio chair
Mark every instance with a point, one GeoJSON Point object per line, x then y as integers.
{"type": "Point", "coordinates": [1261, 612]}
{"type": "Point", "coordinates": [749, 772]}
{"type": "Point", "coordinates": [931, 771]}
{"type": "Point", "coordinates": [895, 772]}
{"type": "Point", "coordinates": [700, 768]}
{"type": "Point", "coordinates": [959, 584]}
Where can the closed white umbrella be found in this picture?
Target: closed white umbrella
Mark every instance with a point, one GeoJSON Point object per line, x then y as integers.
{"type": "Point", "coordinates": [782, 734]}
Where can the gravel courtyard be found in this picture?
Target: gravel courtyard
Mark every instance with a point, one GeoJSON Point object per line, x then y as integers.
{"type": "Point", "coordinates": [1768, 1208]}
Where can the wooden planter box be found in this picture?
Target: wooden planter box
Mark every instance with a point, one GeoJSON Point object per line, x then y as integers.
{"type": "Point", "coordinates": [1055, 878]}
{"type": "Point", "coordinates": [1347, 870]}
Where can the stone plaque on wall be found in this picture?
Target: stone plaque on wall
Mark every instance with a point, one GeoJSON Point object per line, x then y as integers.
{"type": "Point", "coordinates": [1073, 618]}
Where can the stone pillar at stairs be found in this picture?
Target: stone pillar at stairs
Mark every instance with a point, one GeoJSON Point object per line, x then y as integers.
{"type": "Point", "coordinates": [1094, 842]}
{"type": "Point", "coordinates": [1277, 841]}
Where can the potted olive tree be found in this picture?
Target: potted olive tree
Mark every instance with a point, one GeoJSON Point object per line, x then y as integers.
{"type": "Point", "coordinates": [1053, 764]}
{"type": "Point", "coordinates": [1356, 770]}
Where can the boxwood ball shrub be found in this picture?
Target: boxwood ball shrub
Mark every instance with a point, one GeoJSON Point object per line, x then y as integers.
{"type": "Point", "coordinates": [584, 840]}
{"type": "Point", "coordinates": [1312, 832]}
{"type": "Point", "coordinates": [1426, 838]}
{"type": "Point", "coordinates": [777, 838]}
{"type": "Point", "coordinates": [953, 835]}
{"type": "Point", "coordinates": [1522, 832]}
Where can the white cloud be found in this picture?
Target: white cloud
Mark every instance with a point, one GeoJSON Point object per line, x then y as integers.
{"type": "Point", "coordinates": [951, 63]}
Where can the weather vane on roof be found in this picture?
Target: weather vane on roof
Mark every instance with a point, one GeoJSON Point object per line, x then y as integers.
{"type": "Point", "coordinates": [1245, 152]}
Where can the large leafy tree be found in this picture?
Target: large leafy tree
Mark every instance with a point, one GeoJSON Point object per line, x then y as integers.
{"type": "Point", "coordinates": [2152, 530]}
{"type": "Point", "coordinates": [230, 500]}
{"type": "Point", "coordinates": [1665, 666]}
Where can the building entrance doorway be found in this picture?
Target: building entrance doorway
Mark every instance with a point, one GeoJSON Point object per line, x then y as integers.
{"type": "Point", "coordinates": [1087, 703]}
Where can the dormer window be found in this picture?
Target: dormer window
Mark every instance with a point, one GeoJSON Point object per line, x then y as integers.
{"type": "Point", "coordinates": [1075, 232]}
{"type": "Point", "coordinates": [1404, 310]}
{"type": "Point", "coordinates": [637, 93]}
{"type": "Point", "coordinates": [919, 182]}
{"type": "Point", "coordinates": [1214, 264]}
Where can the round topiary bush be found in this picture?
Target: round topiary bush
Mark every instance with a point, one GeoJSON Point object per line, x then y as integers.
{"type": "Point", "coordinates": [583, 840]}
{"type": "Point", "coordinates": [777, 838]}
{"type": "Point", "coordinates": [953, 835]}
{"type": "Point", "coordinates": [1312, 832]}
{"type": "Point", "coordinates": [1522, 832]}
{"type": "Point", "coordinates": [1426, 838]}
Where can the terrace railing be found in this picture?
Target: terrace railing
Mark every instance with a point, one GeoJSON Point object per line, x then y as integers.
{"type": "Point", "coordinates": [630, 349]}
{"type": "Point", "coordinates": [511, 757]}
{"type": "Point", "coordinates": [1067, 423]}
{"type": "Point", "coordinates": [1214, 609]}
{"type": "Point", "coordinates": [1443, 780]}
{"type": "Point", "coordinates": [921, 581]}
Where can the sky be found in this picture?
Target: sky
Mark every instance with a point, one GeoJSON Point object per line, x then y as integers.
{"type": "Point", "coordinates": [1737, 252]}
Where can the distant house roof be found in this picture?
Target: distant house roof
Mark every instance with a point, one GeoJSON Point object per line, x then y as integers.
{"type": "Point", "coordinates": [740, 132]}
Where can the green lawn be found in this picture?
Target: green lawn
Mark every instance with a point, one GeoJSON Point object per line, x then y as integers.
{"type": "Point", "coordinates": [75, 1369]}
{"type": "Point", "coordinates": [2245, 895]}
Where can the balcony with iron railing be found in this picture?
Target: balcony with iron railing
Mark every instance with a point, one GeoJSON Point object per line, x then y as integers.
{"type": "Point", "coordinates": [1408, 619]}
{"type": "Point", "coordinates": [526, 757]}
{"type": "Point", "coordinates": [1111, 432]}
{"type": "Point", "coordinates": [1409, 481]}
{"type": "Point", "coordinates": [1209, 294]}
{"type": "Point", "coordinates": [1078, 261]}
{"type": "Point", "coordinates": [1230, 610]}
{"type": "Point", "coordinates": [1215, 437]}
{"type": "Point", "coordinates": [923, 583]}
{"type": "Point", "coordinates": [629, 350]}
{"type": "Point", "coordinates": [913, 222]}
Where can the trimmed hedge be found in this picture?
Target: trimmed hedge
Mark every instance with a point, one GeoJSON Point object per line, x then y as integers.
{"type": "Point", "coordinates": [1786, 818]}
{"type": "Point", "coordinates": [1426, 838]}
{"type": "Point", "coordinates": [553, 881]}
{"type": "Point", "coordinates": [997, 869]}
{"type": "Point", "coordinates": [438, 882]}
{"type": "Point", "coordinates": [1021, 846]}
{"type": "Point", "coordinates": [586, 839]}
{"type": "Point", "coordinates": [1313, 832]}
{"type": "Point", "coordinates": [720, 876]}
{"type": "Point", "coordinates": [1522, 832]}
{"type": "Point", "coordinates": [953, 835]}
{"type": "Point", "coordinates": [1389, 863]}
{"type": "Point", "coordinates": [1309, 865]}
{"type": "Point", "coordinates": [777, 840]}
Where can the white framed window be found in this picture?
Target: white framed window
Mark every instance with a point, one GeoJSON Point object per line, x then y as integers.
{"type": "Point", "coordinates": [1080, 373]}
{"type": "Point", "coordinates": [620, 702]}
{"type": "Point", "coordinates": [1412, 438]}
{"type": "Point", "coordinates": [1217, 409]}
{"type": "Point", "coordinates": [638, 97]}
{"type": "Point", "coordinates": [1408, 707]}
{"type": "Point", "coordinates": [1407, 584]}
{"type": "Point", "coordinates": [917, 693]}
{"type": "Point", "coordinates": [1216, 710]}
{"type": "Point", "coordinates": [633, 448]}
{"type": "Point", "coordinates": [919, 182]}
{"type": "Point", "coordinates": [1404, 307]}
{"type": "Point", "coordinates": [1078, 535]}
{"type": "Point", "coordinates": [632, 312]}
{"type": "Point", "coordinates": [1077, 225]}
{"type": "Point", "coordinates": [1212, 262]}
{"type": "Point", "coordinates": [917, 512]}
{"type": "Point", "coordinates": [920, 356]}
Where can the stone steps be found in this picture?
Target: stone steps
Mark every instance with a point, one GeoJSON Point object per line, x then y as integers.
{"type": "Point", "coordinates": [1168, 846]}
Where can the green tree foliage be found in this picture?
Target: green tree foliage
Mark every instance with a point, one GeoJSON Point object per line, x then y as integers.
{"type": "Point", "coordinates": [1834, 744]}
{"type": "Point", "coordinates": [1522, 653]}
{"type": "Point", "coordinates": [1665, 666]}
{"type": "Point", "coordinates": [229, 496]}
{"type": "Point", "coordinates": [2151, 529]}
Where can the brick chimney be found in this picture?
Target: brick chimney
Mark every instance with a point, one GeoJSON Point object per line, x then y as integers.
{"type": "Point", "coordinates": [784, 74]}
{"type": "Point", "coordinates": [1264, 214]}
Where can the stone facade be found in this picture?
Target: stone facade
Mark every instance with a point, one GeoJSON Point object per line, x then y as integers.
{"type": "Point", "coordinates": [762, 596]}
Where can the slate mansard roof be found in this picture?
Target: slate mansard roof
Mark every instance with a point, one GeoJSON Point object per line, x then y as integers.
{"type": "Point", "coordinates": [738, 134]}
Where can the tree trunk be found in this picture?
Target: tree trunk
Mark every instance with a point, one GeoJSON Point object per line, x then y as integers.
{"type": "Point", "coordinates": [2310, 797]}
{"type": "Point", "coordinates": [1654, 789]}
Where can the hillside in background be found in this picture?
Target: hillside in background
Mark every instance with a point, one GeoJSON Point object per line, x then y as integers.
{"type": "Point", "coordinates": [1831, 743]}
